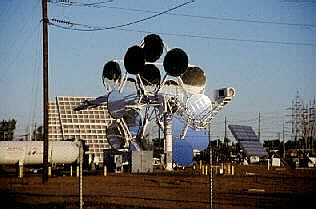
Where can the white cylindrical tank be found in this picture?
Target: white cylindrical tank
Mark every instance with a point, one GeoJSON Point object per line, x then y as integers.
{"type": "Point", "coordinates": [31, 152]}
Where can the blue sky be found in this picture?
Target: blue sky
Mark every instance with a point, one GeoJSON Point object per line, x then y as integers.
{"type": "Point", "coordinates": [264, 49]}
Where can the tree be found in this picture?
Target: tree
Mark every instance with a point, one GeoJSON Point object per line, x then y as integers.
{"type": "Point", "coordinates": [7, 129]}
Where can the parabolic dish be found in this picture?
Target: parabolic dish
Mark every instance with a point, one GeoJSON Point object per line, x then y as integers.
{"type": "Point", "coordinates": [111, 75]}
{"type": "Point", "coordinates": [198, 105]}
{"type": "Point", "coordinates": [114, 136]}
{"type": "Point", "coordinates": [172, 88]}
{"type": "Point", "coordinates": [171, 83]}
{"type": "Point", "coordinates": [133, 120]}
{"type": "Point", "coordinates": [194, 80]}
{"type": "Point", "coordinates": [182, 152]}
{"type": "Point", "coordinates": [175, 62]}
{"type": "Point", "coordinates": [153, 47]}
{"type": "Point", "coordinates": [134, 60]}
{"type": "Point", "coordinates": [118, 101]}
{"type": "Point", "coordinates": [194, 76]}
{"type": "Point", "coordinates": [199, 139]}
{"type": "Point", "coordinates": [112, 71]}
{"type": "Point", "coordinates": [150, 75]}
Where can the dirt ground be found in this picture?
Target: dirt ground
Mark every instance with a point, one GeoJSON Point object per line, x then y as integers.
{"type": "Point", "coordinates": [250, 187]}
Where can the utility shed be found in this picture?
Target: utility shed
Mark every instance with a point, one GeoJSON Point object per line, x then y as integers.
{"type": "Point", "coordinates": [142, 161]}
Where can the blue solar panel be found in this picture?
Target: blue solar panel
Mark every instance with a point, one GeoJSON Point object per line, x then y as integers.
{"type": "Point", "coordinates": [248, 140]}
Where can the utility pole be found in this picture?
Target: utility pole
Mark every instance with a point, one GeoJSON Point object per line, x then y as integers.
{"type": "Point", "coordinates": [283, 137]}
{"type": "Point", "coordinates": [225, 136]}
{"type": "Point", "coordinates": [313, 122]}
{"type": "Point", "coordinates": [259, 128]}
{"type": "Point", "coordinates": [45, 91]}
{"type": "Point", "coordinates": [211, 177]}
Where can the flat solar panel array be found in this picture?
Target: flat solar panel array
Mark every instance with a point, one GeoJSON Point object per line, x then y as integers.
{"type": "Point", "coordinates": [89, 125]}
{"type": "Point", "coordinates": [248, 140]}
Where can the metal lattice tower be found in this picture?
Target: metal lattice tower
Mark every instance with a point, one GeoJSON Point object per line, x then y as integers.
{"type": "Point", "coordinates": [303, 122]}
{"type": "Point", "coordinates": [297, 118]}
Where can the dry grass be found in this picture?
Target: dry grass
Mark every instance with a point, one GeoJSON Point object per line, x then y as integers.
{"type": "Point", "coordinates": [250, 187]}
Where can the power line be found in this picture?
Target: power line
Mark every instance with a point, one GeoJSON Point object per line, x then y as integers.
{"type": "Point", "coordinates": [68, 25]}
{"type": "Point", "coordinates": [95, 28]}
{"type": "Point", "coordinates": [98, 5]}
{"type": "Point", "coordinates": [244, 20]}
{"type": "Point", "coordinates": [68, 3]}
{"type": "Point", "coordinates": [229, 39]}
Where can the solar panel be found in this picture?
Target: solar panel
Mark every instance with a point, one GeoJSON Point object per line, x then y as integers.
{"type": "Point", "coordinates": [248, 140]}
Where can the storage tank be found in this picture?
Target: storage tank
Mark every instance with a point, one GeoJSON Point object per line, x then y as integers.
{"type": "Point", "coordinates": [31, 152]}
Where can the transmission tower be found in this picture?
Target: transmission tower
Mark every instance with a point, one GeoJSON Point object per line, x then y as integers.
{"type": "Point", "coordinates": [297, 109]}
{"type": "Point", "coordinates": [303, 123]}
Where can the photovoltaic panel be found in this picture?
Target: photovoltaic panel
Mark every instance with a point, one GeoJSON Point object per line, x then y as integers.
{"type": "Point", "coordinates": [248, 140]}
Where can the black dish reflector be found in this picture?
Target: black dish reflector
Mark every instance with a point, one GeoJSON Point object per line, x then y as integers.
{"type": "Point", "coordinates": [151, 75]}
{"type": "Point", "coordinates": [134, 60]}
{"type": "Point", "coordinates": [175, 62]}
{"type": "Point", "coordinates": [112, 71]}
{"type": "Point", "coordinates": [153, 47]}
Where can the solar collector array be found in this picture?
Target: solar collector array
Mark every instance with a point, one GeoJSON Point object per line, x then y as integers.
{"type": "Point", "coordinates": [248, 140]}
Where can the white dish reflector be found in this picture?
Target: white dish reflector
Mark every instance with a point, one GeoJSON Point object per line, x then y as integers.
{"type": "Point", "coordinates": [198, 105]}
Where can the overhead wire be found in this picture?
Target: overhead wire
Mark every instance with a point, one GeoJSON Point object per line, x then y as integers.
{"type": "Point", "coordinates": [68, 25]}
{"type": "Point", "coordinates": [215, 18]}
{"type": "Point", "coordinates": [97, 28]}
{"type": "Point", "coordinates": [103, 4]}
{"type": "Point", "coordinates": [225, 39]}
{"type": "Point", "coordinates": [68, 3]}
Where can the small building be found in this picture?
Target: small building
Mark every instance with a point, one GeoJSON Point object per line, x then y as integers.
{"type": "Point", "coordinates": [142, 161]}
{"type": "Point", "coordinates": [116, 161]}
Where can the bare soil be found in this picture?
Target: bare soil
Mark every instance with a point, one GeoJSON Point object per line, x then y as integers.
{"type": "Point", "coordinates": [251, 186]}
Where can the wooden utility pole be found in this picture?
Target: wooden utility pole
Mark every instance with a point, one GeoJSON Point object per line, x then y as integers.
{"type": "Point", "coordinates": [283, 137]}
{"type": "Point", "coordinates": [211, 176]}
{"type": "Point", "coordinates": [45, 91]}
{"type": "Point", "coordinates": [259, 128]}
{"type": "Point", "coordinates": [225, 136]}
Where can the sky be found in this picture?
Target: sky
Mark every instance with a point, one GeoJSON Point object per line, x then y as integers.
{"type": "Point", "coordinates": [266, 50]}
